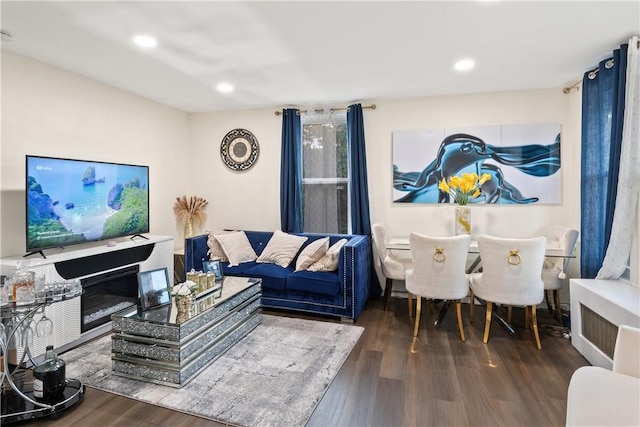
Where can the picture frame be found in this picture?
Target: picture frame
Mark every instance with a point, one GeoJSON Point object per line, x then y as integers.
{"type": "Point", "coordinates": [153, 287]}
{"type": "Point", "coordinates": [160, 314]}
{"type": "Point", "coordinates": [215, 267]}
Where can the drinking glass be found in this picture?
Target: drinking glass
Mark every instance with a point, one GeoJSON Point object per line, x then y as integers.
{"type": "Point", "coordinates": [3, 335]}
{"type": "Point", "coordinates": [58, 291]}
{"type": "Point", "coordinates": [44, 327]}
{"type": "Point", "coordinates": [16, 339]}
{"type": "Point", "coordinates": [76, 287]}
{"type": "Point", "coordinates": [27, 335]}
{"type": "Point", "coordinates": [6, 291]}
{"type": "Point", "coordinates": [39, 288]}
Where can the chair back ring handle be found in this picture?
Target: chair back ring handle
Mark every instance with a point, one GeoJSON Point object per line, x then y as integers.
{"type": "Point", "coordinates": [514, 257]}
{"type": "Point", "coordinates": [439, 255]}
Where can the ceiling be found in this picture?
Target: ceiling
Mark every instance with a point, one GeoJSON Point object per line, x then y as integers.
{"type": "Point", "coordinates": [298, 53]}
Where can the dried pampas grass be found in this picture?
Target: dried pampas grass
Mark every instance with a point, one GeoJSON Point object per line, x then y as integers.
{"type": "Point", "coordinates": [191, 209]}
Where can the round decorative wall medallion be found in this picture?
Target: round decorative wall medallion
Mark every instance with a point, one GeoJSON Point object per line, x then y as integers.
{"type": "Point", "coordinates": [239, 149]}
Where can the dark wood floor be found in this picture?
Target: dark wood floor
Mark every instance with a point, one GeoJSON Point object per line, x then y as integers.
{"type": "Point", "coordinates": [391, 379]}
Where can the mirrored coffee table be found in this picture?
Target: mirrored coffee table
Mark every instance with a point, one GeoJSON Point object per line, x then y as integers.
{"type": "Point", "coordinates": [157, 346]}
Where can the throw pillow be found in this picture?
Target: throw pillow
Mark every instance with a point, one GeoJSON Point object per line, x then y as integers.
{"type": "Point", "coordinates": [329, 262]}
{"type": "Point", "coordinates": [312, 253]}
{"type": "Point", "coordinates": [215, 250]}
{"type": "Point", "coordinates": [281, 249]}
{"type": "Point", "coordinates": [236, 247]}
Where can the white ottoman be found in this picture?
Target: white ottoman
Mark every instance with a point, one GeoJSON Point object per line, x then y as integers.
{"type": "Point", "coordinates": [599, 397]}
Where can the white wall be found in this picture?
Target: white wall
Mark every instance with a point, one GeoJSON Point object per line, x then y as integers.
{"type": "Point", "coordinates": [508, 108]}
{"type": "Point", "coordinates": [255, 198]}
{"type": "Point", "coordinates": [248, 200]}
{"type": "Point", "coordinates": [251, 199]}
{"type": "Point", "coordinates": [50, 112]}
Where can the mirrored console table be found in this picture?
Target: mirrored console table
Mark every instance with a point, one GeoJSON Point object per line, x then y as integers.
{"type": "Point", "coordinates": [159, 346]}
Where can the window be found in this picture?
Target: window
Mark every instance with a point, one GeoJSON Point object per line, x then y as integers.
{"type": "Point", "coordinates": [325, 174]}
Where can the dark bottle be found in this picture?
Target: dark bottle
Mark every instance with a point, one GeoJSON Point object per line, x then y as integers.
{"type": "Point", "coordinates": [49, 377]}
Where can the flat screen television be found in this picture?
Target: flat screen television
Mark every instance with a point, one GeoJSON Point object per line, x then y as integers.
{"type": "Point", "coordinates": [77, 201]}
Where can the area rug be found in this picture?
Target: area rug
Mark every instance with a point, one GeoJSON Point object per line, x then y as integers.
{"type": "Point", "coordinates": [275, 376]}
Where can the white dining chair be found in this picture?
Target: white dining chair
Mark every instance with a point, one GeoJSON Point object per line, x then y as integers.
{"type": "Point", "coordinates": [555, 269]}
{"type": "Point", "coordinates": [388, 267]}
{"type": "Point", "coordinates": [511, 275]}
{"type": "Point", "coordinates": [438, 272]}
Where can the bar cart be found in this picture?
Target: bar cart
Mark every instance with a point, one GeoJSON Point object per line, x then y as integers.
{"type": "Point", "coordinates": [18, 401]}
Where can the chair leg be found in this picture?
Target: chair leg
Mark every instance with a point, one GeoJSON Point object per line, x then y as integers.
{"type": "Point", "coordinates": [487, 322]}
{"type": "Point", "coordinates": [547, 297]}
{"type": "Point", "coordinates": [556, 299]}
{"type": "Point", "coordinates": [509, 311]}
{"type": "Point", "coordinates": [534, 325]}
{"type": "Point", "coordinates": [526, 318]}
{"type": "Point", "coordinates": [459, 319]}
{"type": "Point", "coordinates": [472, 304]}
{"type": "Point", "coordinates": [410, 304]}
{"type": "Point", "coordinates": [387, 292]}
{"type": "Point", "coordinates": [418, 310]}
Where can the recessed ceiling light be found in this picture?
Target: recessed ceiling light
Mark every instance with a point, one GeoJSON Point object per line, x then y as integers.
{"type": "Point", "coordinates": [145, 41]}
{"type": "Point", "coordinates": [464, 65]}
{"type": "Point", "coordinates": [224, 88]}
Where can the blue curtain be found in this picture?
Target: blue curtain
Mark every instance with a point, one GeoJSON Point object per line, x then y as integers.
{"type": "Point", "coordinates": [603, 96]}
{"type": "Point", "coordinates": [360, 221]}
{"type": "Point", "coordinates": [291, 216]}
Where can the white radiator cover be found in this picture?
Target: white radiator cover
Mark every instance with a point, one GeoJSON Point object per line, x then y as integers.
{"type": "Point", "coordinates": [605, 305]}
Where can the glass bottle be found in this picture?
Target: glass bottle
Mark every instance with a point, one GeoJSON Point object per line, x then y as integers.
{"type": "Point", "coordinates": [49, 377]}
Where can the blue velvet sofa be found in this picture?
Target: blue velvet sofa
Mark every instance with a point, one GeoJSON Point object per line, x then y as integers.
{"type": "Point", "coordinates": [340, 293]}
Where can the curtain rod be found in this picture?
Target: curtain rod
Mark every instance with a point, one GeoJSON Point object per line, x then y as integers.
{"type": "Point", "coordinates": [331, 111]}
{"type": "Point", "coordinates": [567, 89]}
{"type": "Point", "coordinates": [592, 75]}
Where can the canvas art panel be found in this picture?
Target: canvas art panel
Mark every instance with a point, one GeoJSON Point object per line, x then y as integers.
{"type": "Point", "coordinates": [523, 161]}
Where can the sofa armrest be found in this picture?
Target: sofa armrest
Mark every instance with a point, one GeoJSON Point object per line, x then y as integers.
{"type": "Point", "coordinates": [354, 268]}
{"type": "Point", "coordinates": [626, 357]}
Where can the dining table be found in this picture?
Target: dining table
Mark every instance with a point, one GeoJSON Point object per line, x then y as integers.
{"type": "Point", "coordinates": [401, 243]}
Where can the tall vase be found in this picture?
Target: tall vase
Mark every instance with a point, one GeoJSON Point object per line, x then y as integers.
{"type": "Point", "coordinates": [188, 227]}
{"type": "Point", "coordinates": [463, 220]}
{"type": "Point", "coordinates": [183, 305]}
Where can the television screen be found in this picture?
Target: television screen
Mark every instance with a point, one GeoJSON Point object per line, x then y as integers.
{"type": "Point", "coordinates": [76, 201]}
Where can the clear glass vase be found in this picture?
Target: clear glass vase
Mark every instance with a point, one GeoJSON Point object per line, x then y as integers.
{"type": "Point", "coordinates": [463, 220]}
{"type": "Point", "coordinates": [188, 227]}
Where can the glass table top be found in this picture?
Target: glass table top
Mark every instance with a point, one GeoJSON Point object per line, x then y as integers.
{"type": "Point", "coordinates": [204, 301]}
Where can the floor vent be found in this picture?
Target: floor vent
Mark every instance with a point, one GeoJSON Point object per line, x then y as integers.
{"type": "Point", "coordinates": [598, 330]}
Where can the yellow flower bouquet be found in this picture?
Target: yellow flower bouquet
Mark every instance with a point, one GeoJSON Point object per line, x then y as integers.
{"type": "Point", "coordinates": [464, 188]}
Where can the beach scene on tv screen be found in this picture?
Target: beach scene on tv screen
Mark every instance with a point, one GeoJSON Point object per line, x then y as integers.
{"type": "Point", "coordinates": [70, 201]}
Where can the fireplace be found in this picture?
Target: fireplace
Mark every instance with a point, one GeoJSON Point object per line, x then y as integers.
{"type": "Point", "coordinates": [107, 293]}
